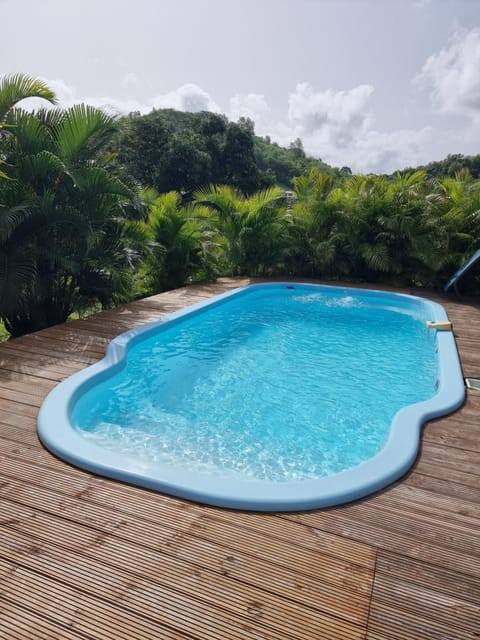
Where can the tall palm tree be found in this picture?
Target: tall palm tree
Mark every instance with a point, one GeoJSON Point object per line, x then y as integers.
{"type": "Point", "coordinates": [64, 233]}
{"type": "Point", "coordinates": [17, 261]}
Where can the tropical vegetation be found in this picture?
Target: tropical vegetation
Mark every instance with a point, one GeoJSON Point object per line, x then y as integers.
{"type": "Point", "coordinates": [67, 237]}
{"type": "Point", "coordinates": [95, 210]}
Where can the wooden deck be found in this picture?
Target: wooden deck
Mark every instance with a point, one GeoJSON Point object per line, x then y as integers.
{"type": "Point", "coordinates": [83, 557]}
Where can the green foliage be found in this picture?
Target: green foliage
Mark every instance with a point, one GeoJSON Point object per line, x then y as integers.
{"type": "Point", "coordinates": [181, 243]}
{"type": "Point", "coordinates": [65, 239]}
{"type": "Point", "coordinates": [17, 87]}
{"type": "Point", "coordinates": [252, 229]}
{"type": "Point", "coordinates": [174, 151]}
{"type": "Point", "coordinates": [404, 230]}
{"type": "Point", "coordinates": [283, 165]}
{"type": "Point", "coordinates": [450, 166]}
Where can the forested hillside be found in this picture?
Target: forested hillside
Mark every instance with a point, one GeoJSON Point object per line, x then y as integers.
{"type": "Point", "coordinates": [173, 150]}
{"type": "Point", "coordinates": [450, 166]}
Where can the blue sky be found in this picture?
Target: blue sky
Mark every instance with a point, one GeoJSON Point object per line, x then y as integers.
{"type": "Point", "coordinates": [373, 84]}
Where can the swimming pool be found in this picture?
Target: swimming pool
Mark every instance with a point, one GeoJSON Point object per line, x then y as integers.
{"type": "Point", "coordinates": [271, 397]}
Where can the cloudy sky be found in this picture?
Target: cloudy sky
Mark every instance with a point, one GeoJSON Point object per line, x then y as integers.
{"type": "Point", "coordinates": [373, 84]}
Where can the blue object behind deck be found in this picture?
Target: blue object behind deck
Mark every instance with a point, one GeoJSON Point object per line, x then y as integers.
{"type": "Point", "coordinates": [463, 270]}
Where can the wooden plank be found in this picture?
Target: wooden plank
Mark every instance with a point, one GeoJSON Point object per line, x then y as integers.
{"type": "Point", "coordinates": [449, 474]}
{"type": "Point", "coordinates": [455, 585]}
{"type": "Point", "coordinates": [17, 623]}
{"type": "Point", "coordinates": [88, 616]}
{"type": "Point", "coordinates": [417, 601]}
{"type": "Point", "coordinates": [132, 579]}
{"type": "Point", "coordinates": [125, 499]}
{"type": "Point", "coordinates": [18, 408]}
{"type": "Point", "coordinates": [49, 347]}
{"type": "Point", "coordinates": [30, 399]}
{"type": "Point", "coordinates": [43, 367]}
{"type": "Point", "coordinates": [8, 418]}
{"type": "Point", "coordinates": [451, 457]}
{"type": "Point", "coordinates": [444, 487]}
{"type": "Point", "coordinates": [461, 514]}
{"type": "Point", "coordinates": [339, 588]}
{"type": "Point", "coordinates": [417, 538]}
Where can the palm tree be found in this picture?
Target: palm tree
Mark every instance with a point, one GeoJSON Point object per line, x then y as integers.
{"type": "Point", "coordinates": [314, 247]}
{"type": "Point", "coordinates": [253, 227]}
{"type": "Point", "coordinates": [64, 232]}
{"type": "Point", "coordinates": [13, 89]}
{"type": "Point", "coordinates": [17, 262]}
{"type": "Point", "coordinates": [181, 242]}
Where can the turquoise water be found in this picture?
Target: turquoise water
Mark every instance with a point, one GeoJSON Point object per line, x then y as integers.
{"type": "Point", "coordinates": [277, 384]}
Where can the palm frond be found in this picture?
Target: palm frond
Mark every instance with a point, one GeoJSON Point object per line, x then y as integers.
{"type": "Point", "coordinates": [94, 181]}
{"type": "Point", "coordinates": [11, 218]}
{"type": "Point", "coordinates": [44, 165]}
{"type": "Point", "coordinates": [17, 87]}
{"type": "Point", "coordinates": [226, 200]}
{"type": "Point", "coordinates": [30, 134]}
{"type": "Point", "coordinates": [82, 131]}
{"type": "Point", "coordinates": [17, 274]}
{"type": "Point", "coordinates": [376, 257]}
{"type": "Point", "coordinates": [264, 199]}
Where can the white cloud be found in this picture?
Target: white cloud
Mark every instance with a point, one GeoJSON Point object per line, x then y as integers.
{"type": "Point", "coordinates": [453, 75]}
{"type": "Point", "coordinates": [337, 126]}
{"type": "Point", "coordinates": [66, 94]}
{"type": "Point", "coordinates": [189, 97]}
{"type": "Point", "coordinates": [386, 151]}
{"type": "Point", "coordinates": [332, 117]}
{"type": "Point", "coordinates": [251, 105]}
{"type": "Point", "coordinates": [313, 110]}
{"type": "Point", "coordinates": [368, 150]}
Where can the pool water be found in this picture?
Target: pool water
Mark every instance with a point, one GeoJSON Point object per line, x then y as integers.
{"type": "Point", "coordinates": [279, 384]}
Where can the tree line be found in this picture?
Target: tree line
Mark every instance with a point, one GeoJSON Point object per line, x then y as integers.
{"type": "Point", "coordinates": [96, 210]}
{"type": "Point", "coordinates": [176, 151]}
{"type": "Point", "coordinates": [451, 165]}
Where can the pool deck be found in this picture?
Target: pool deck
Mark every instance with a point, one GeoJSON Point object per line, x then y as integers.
{"type": "Point", "coordinates": [83, 557]}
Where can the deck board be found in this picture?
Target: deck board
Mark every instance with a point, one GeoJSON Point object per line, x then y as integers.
{"type": "Point", "coordinates": [88, 557]}
{"type": "Point", "coordinates": [422, 601]}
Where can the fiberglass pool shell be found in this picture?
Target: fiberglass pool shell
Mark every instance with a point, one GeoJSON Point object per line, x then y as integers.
{"type": "Point", "coordinates": [395, 458]}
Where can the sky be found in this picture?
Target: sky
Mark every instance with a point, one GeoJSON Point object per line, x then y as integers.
{"type": "Point", "coordinates": [376, 85]}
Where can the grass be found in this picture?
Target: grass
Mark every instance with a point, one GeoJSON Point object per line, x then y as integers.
{"type": "Point", "coordinates": [4, 335]}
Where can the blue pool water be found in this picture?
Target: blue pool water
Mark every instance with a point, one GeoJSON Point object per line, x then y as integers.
{"type": "Point", "coordinates": [278, 384]}
{"type": "Point", "coordinates": [274, 396]}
